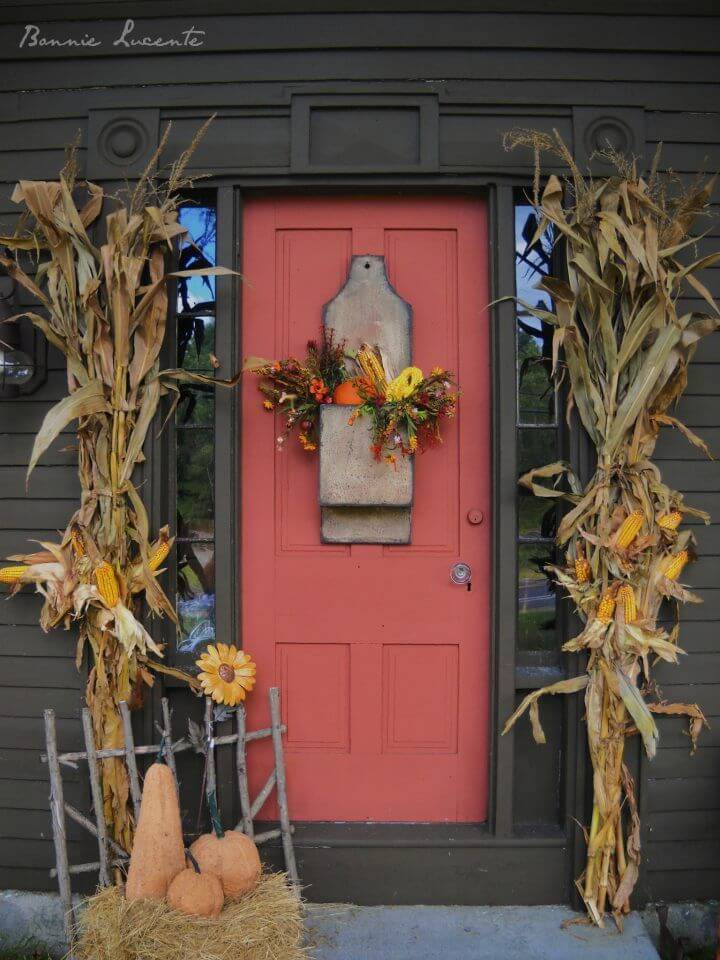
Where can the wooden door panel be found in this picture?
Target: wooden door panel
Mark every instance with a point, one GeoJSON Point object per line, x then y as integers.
{"type": "Point", "coordinates": [383, 662]}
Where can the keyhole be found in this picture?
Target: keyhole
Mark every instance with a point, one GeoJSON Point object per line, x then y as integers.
{"type": "Point", "coordinates": [367, 266]}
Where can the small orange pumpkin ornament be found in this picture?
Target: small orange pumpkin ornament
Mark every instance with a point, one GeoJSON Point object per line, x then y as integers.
{"type": "Point", "coordinates": [233, 857]}
{"type": "Point", "coordinates": [346, 393]}
{"type": "Point", "coordinates": [195, 893]}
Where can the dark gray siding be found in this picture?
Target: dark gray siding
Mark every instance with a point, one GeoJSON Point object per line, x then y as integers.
{"type": "Point", "coordinates": [531, 65]}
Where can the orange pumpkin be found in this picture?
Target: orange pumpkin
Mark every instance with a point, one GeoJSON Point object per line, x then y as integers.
{"type": "Point", "coordinates": [346, 393]}
{"type": "Point", "coordinates": [233, 857]}
{"type": "Point", "coordinates": [195, 893]}
{"type": "Point", "coordinates": [158, 852]}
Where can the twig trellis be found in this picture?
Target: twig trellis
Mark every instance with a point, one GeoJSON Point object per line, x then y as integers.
{"type": "Point", "coordinates": [110, 853]}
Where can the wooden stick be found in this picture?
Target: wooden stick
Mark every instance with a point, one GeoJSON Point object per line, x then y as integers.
{"type": "Point", "coordinates": [57, 809]}
{"type": "Point", "coordinates": [289, 850]}
{"type": "Point", "coordinates": [130, 758]}
{"type": "Point", "coordinates": [89, 868]}
{"type": "Point", "coordinates": [263, 795]}
{"type": "Point", "coordinates": [97, 797]}
{"type": "Point", "coordinates": [69, 758]}
{"type": "Point", "coordinates": [91, 828]}
{"type": "Point", "coordinates": [167, 730]}
{"type": "Point", "coordinates": [270, 835]}
{"type": "Point", "coordinates": [241, 763]}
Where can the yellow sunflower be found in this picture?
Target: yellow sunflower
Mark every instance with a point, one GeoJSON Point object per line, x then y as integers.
{"type": "Point", "coordinates": [226, 673]}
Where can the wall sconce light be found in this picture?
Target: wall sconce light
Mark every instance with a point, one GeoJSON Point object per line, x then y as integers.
{"type": "Point", "coordinates": [23, 350]}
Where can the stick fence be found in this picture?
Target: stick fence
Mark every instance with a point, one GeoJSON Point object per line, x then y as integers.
{"type": "Point", "coordinates": [110, 854]}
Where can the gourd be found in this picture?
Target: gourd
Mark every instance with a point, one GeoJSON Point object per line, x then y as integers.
{"type": "Point", "coordinates": [158, 853]}
{"type": "Point", "coordinates": [233, 857]}
{"type": "Point", "coordinates": [196, 893]}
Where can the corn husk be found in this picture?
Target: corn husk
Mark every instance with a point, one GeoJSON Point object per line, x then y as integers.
{"type": "Point", "coordinates": [622, 349]}
{"type": "Point", "coordinates": [104, 307]}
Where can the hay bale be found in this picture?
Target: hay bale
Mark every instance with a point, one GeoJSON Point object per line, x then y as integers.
{"type": "Point", "coordinates": [265, 925]}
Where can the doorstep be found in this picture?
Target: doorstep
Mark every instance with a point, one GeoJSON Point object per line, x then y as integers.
{"type": "Point", "coordinates": [346, 932]}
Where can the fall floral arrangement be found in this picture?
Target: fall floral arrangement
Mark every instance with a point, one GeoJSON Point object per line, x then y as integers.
{"type": "Point", "coordinates": [298, 388]}
{"type": "Point", "coordinates": [103, 304]}
{"type": "Point", "coordinates": [405, 412]}
{"type": "Point", "coordinates": [622, 347]}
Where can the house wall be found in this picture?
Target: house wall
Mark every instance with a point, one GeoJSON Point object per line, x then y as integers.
{"type": "Point", "coordinates": [432, 93]}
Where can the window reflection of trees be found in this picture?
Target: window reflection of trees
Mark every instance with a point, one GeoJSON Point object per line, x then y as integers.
{"type": "Point", "coordinates": [195, 417]}
{"type": "Point", "coordinates": [537, 436]}
{"type": "Point", "coordinates": [533, 256]}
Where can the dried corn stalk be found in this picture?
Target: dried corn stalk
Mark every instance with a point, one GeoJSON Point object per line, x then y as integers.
{"type": "Point", "coordinates": [623, 348]}
{"type": "Point", "coordinates": [105, 308]}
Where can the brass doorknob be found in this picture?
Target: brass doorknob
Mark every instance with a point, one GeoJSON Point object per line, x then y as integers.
{"type": "Point", "coordinates": [475, 516]}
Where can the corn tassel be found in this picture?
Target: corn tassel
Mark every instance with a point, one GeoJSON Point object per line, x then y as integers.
{"type": "Point", "coordinates": [628, 530]}
{"type": "Point", "coordinates": [670, 521]}
{"type": "Point", "coordinates": [12, 574]}
{"type": "Point", "coordinates": [626, 596]}
{"type": "Point", "coordinates": [606, 609]}
{"type": "Point", "coordinates": [158, 555]}
{"type": "Point", "coordinates": [107, 584]}
{"type": "Point", "coordinates": [582, 570]}
{"type": "Point", "coordinates": [675, 565]}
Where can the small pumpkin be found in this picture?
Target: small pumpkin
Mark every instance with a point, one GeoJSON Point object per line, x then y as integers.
{"type": "Point", "coordinates": [195, 893]}
{"type": "Point", "coordinates": [346, 393]}
{"type": "Point", "coordinates": [158, 853]}
{"type": "Point", "coordinates": [233, 857]}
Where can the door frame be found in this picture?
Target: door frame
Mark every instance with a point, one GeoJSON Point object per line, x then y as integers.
{"type": "Point", "coordinates": [505, 867]}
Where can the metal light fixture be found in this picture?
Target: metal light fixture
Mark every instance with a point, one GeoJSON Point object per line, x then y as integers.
{"type": "Point", "coordinates": [22, 370]}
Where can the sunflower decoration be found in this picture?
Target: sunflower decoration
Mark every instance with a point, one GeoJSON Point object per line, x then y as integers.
{"type": "Point", "coordinates": [226, 673]}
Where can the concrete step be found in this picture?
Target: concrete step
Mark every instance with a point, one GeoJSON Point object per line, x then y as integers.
{"type": "Point", "coordinates": [346, 932]}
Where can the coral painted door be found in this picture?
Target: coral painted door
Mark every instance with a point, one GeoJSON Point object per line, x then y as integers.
{"type": "Point", "coordinates": [382, 660]}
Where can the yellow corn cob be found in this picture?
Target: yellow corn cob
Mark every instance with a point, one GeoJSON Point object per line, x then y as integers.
{"type": "Point", "coordinates": [158, 555]}
{"type": "Point", "coordinates": [77, 544]}
{"type": "Point", "coordinates": [674, 568]}
{"type": "Point", "coordinates": [372, 368]}
{"type": "Point", "coordinates": [670, 521]}
{"type": "Point", "coordinates": [606, 609]}
{"type": "Point", "coordinates": [628, 530]}
{"type": "Point", "coordinates": [626, 596]}
{"type": "Point", "coordinates": [107, 584]}
{"type": "Point", "coordinates": [11, 574]}
{"type": "Point", "coordinates": [582, 570]}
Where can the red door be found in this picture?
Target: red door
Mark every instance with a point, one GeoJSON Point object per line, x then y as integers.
{"type": "Point", "coordinates": [382, 660]}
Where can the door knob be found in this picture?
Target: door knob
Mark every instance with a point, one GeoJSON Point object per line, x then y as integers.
{"type": "Point", "coordinates": [475, 516]}
{"type": "Point", "coordinates": [461, 573]}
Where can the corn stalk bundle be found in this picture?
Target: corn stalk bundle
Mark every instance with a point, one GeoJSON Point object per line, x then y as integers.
{"type": "Point", "coordinates": [622, 347]}
{"type": "Point", "coordinates": [105, 309]}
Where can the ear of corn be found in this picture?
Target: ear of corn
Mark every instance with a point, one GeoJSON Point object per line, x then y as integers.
{"type": "Point", "coordinates": [77, 544]}
{"type": "Point", "coordinates": [158, 555]}
{"type": "Point", "coordinates": [670, 521]}
{"type": "Point", "coordinates": [626, 596]}
{"type": "Point", "coordinates": [675, 565]}
{"type": "Point", "coordinates": [582, 570]}
{"type": "Point", "coordinates": [107, 584]}
{"type": "Point", "coordinates": [628, 530]}
{"type": "Point", "coordinates": [372, 368]}
{"type": "Point", "coordinates": [606, 609]}
{"type": "Point", "coordinates": [12, 574]}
